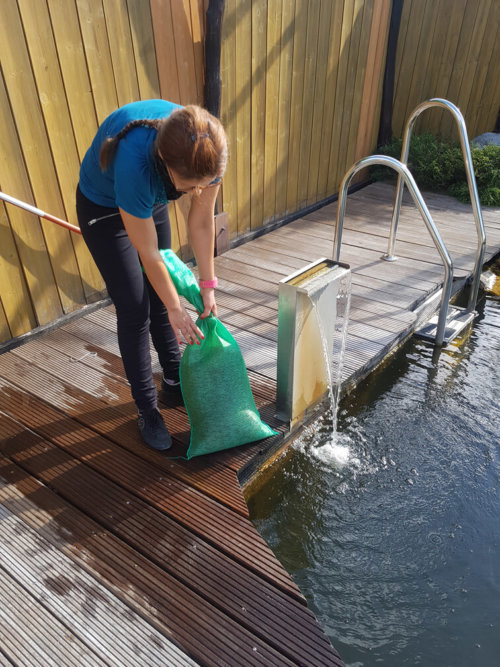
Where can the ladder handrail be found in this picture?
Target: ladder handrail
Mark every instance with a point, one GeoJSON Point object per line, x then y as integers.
{"type": "Point", "coordinates": [471, 181]}
{"type": "Point", "coordinates": [405, 174]}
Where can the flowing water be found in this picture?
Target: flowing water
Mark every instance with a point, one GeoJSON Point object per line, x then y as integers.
{"type": "Point", "coordinates": [334, 358]}
{"type": "Point", "coordinates": [391, 525]}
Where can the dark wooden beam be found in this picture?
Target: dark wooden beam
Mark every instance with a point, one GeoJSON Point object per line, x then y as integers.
{"type": "Point", "coordinates": [385, 127]}
{"type": "Point", "coordinates": [213, 40]}
{"type": "Point", "coordinates": [212, 99]}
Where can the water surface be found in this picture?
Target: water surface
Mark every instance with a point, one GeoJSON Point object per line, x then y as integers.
{"type": "Point", "coordinates": [392, 530]}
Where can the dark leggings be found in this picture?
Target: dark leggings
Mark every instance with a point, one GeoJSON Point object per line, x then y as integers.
{"type": "Point", "coordinates": [139, 310]}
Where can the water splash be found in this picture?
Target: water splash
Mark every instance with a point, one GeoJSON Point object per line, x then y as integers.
{"type": "Point", "coordinates": [322, 442]}
{"type": "Point", "coordinates": [332, 453]}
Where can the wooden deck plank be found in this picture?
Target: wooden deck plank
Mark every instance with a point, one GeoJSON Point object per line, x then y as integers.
{"type": "Point", "coordinates": [208, 477]}
{"type": "Point", "coordinates": [224, 585]}
{"type": "Point", "coordinates": [64, 616]}
{"type": "Point", "coordinates": [351, 253]}
{"type": "Point", "coordinates": [39, 637]}
{"type": "Point", "coordinates": [199, 513]}
{"type": "Point", "coordinates": [405, 250]}
{"type": "Point", "coordinates": [170, 541]}
{"type": "Point", "coordinates": [217, 481]}
{"type": "Point", "coordinates": [209, 636]}
{"type": "Point", "coordinates": [4, 659]}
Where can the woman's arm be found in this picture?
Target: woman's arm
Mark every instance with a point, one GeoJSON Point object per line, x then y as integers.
{"type": "Point", "coordinates": [201, 227]}
{"type": "Point", "coordinates": [142, 235]}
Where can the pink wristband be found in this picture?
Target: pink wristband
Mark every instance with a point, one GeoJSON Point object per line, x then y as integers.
{"type": "Point", "coordinates": [208, 283]}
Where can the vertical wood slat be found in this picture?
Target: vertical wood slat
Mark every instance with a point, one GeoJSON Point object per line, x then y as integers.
{"type": "Point", "coordinates": [459, 65]}
{"type": "Point", "coordinates": [489, 109]}
{"type": "Point", "coordinates": [272, 82]}
{"type": "Point", "coordinates": [446, 39]}
{"type": "Point", "coordinates": [419, 90]}
{"type": "Point", "coordinates": [51, 92]}
{"type": "Point", "coordinates": [66, 28]}
{"type": "Point", "coordinates": [243, 110]}
{"type": "Point", "coordinates": [304, 140]}
{"type": "Point", "coordinates": [198, 17]}
{"type": "Point", "coordinates": [471, 48]}
{"type": "Point", "coordinates": [228, 113]}
{"type": "Point", "coordinates": [448, 49]}
{"type": "Point", "coordinates": [139, 13]}
{"type": "Point", "coordinates": [362, 37]}
{"type": "Point", "coordinates": [373, 79]}
{"type": "Point", "coordinates": [325, 166]}
{"type": "Point", "coordinates": [296, 97]}
{"type": "Point", "coordinates": [5, 330]}
{"type": "Point", "coordinates": [185, 63]}
{"type": "Point", "coordinates": [16, 316]}
{"type": "Point", "coordinates": [122, 51]}
{"type": "Point", "coordinates": [26, 228]}
{"type": "Point", "coordinates": [28, 115]}
{"type": "Point", "coordinates": [184, 51]}
{"type": "Point", "coordinates": [306, 130]}
{"type": "Point", "coordinates": [409, 34]}
{"type": "Point", "coordinates": [480, 42]}
{"type": "Point", "coordinates": [258, 109]}
{"type": "Point", "coordinates": [320, 90]}
{"type": "Point", "coordinates": [163, 29]}
{"type": "Point", "coordinates": [286, 55]}
{"type": "Point", "coordinates": [336, 158]}
{"type": "Point", "coordinates": [98, 56]}
{"type": "Point", "coordinates": [478, 85]}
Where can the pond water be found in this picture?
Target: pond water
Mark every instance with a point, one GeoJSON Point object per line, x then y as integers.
{"type": "Point", "coordinates": [391, 528]}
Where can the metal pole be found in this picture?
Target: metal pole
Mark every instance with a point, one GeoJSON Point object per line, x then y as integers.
{"type": "Point", "coordinates": [408, 179]}
{"type": "Point", "coordinates": [389, 256]}
{"type": "Point", "coordinates": [471, 181]}
{"type": "Point", "coordinates": [39, 212]}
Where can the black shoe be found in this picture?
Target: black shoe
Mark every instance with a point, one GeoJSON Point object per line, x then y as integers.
{"type": "Point", "coordinates": [153, 430]}
{"type": "Point", "coordinates": [171, 390]}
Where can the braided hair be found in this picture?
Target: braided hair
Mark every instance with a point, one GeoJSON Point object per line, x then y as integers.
{"type": "Point", "coordinates": [110, 145]}
{"type": "Point", "coordinates": [190, 141]}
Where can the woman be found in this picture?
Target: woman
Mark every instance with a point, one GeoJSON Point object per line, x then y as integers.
{"type": "Point", "coordinates": [145, 154]}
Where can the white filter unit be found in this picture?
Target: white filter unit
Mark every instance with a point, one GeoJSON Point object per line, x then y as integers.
{"type": "Point", "coordinates": [307, 318]}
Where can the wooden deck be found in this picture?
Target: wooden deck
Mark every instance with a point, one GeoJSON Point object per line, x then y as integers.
{"type": "Point", "coordinates": [112, 553]}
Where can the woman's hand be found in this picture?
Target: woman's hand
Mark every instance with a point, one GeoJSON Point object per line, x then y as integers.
{"type": "Point", "coordinates": [183, 325]}
{"type": "Point", "coordinates": [208, 296]}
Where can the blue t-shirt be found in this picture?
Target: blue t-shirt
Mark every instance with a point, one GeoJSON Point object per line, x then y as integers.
{"type": "Point", "coordinates": [131, 181]}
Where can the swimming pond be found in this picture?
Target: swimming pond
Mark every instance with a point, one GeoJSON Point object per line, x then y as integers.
{"type": "Point", "coordinates": [392, 528]}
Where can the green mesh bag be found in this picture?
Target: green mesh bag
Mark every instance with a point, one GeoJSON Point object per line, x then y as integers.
{"type": "Point", "coordinates": [214, 380]}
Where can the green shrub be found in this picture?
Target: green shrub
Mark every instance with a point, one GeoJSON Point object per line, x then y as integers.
{"type": "Point", "coordinates": [438, 165]}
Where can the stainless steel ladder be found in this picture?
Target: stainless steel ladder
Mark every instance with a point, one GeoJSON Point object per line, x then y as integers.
{"type": "Point", "coordinates": [450, 320]}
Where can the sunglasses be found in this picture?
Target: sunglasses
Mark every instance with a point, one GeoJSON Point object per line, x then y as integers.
{"type": "Point", "coordinates": [195, 189]}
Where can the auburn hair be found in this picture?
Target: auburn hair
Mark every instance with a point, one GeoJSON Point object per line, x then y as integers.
{"type": "Point", "coordinates": [191, 141]}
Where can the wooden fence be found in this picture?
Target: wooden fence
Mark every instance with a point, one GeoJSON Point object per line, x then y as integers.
{"type": "Point", "coordinates": [65, 65]}
{"type": "Point", "coordinates": [302, 82]}
{"type": "Point", "coordinates": [449, 49]}
{"type": "Point", "coordinates": [301, 90]}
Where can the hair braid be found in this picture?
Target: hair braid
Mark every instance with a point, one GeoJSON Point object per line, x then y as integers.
{"type": "Point", "coordinates": [110, 145]}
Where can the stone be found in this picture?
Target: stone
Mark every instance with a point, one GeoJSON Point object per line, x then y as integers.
{"type": "Point", "coordinates": [487, 139]}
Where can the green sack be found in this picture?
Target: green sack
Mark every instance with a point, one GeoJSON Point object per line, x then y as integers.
{"type": "Point", "coordinates": [214, 380]}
